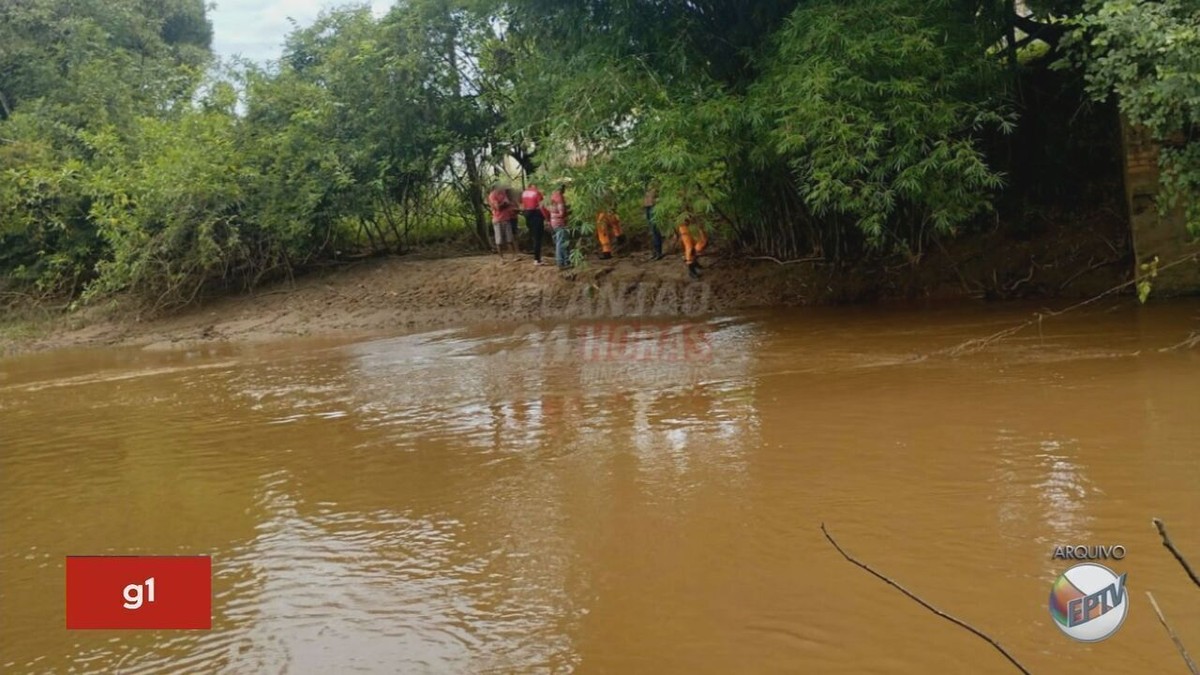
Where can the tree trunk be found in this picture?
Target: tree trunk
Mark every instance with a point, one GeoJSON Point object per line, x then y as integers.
{"type": "Point", "coordinates": [475, 188]}
{"type": "Point", "coordinates": [475, 195]}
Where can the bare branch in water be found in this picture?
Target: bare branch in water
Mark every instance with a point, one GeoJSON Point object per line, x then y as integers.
{"type": "Point", "coordinates": [1190, 341]}
{"type": "Point", "coordinates": [977, 344]}
{"type": "Point", "coordinates": [924, 604]}
{"type": "Point", "coordinates": [1174, 638]}
{"type": "Point", "coordinates": [786, 262]}
{"type": "Point", "coordinates": [1162, 531]}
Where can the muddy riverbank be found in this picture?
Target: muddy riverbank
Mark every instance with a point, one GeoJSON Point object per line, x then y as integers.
{"type": "Point", "coordinates": [394, 295]}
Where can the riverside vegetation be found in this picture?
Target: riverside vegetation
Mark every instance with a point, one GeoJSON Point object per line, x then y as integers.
{"type": "Point", "coordinates": [133, 164]}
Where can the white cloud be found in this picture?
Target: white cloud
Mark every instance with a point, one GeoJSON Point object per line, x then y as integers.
{"type": "Point", "coordinates": [255, 29]}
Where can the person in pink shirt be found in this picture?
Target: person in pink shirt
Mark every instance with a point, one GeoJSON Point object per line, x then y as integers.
{"type": "Point", "coordinates": [504, 219]}
{"type": "Point", "coordinates": [531, 203]}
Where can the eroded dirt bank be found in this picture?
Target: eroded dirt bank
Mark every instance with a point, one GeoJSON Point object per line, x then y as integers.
{"type": "Point", "coordinates": [401, 294]}
{"type": "Point", "coordinates": [393, 295]}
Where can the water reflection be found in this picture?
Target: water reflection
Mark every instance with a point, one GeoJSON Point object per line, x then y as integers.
{"type": "Point", "coordinates": [1047, 473]}
{"type": "Point", "coordinates": [520, 390]}
{"type": "Point", "coordinates": [499, 500]}
{"type": "Point", "coordinates": [493, 582]}
{"type": "Point", "coordinates": [1064, 492]}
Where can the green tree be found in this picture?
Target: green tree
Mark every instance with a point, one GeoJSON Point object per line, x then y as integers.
{"type": "Point", "coordinates": [879, 121]}
{"type": "Point", "coordinates": [1147, 56]}
{"type": "Point", "coordinates": [75, 78]}
{"type": "Point", "coordinates": [129, 164]}
{"type": "Point", "coordinates": [797, 126]}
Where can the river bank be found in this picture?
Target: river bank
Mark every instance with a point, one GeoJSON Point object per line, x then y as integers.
{"type": "Point", "coordinates": [400, 294]}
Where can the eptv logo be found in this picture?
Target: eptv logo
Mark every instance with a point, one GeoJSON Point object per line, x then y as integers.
{"type": "Point", "coordinates": [1089, 602]}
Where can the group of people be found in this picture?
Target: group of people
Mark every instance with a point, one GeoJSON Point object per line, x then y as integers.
{"type": "Point", "coordinates": [506, 206]}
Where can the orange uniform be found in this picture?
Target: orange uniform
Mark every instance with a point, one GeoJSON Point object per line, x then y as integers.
{"type": "Point", "coordinates": [692, 247]}
{"type": "Point", "coordinates": [608, 229]}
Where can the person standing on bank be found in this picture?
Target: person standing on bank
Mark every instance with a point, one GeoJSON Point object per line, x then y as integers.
{"type": "Point", "coordinates": [693, 237]}
{"type": "Point", "coordinates": [656, 238]}
{"type": "Point", "coordinates": [559, 214]}
{"type": "Point", "coordinates": [504, 219]}
{"type": "Point", "coordinates": [608, 229]}
{"type": "Point", "coordinates": [531, 202]}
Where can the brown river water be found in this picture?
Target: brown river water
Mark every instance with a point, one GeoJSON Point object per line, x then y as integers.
{"type": "Point", "coordinates": [538, 500]}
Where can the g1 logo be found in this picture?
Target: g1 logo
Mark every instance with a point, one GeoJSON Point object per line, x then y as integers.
{"type": "Point", "coordinates": [133, 594]}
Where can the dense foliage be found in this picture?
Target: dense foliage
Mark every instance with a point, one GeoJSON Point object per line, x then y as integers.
{"type": "Point", "coordinates": [1147, 55]}
{"type": "Point", "coordinates": [130, 161]}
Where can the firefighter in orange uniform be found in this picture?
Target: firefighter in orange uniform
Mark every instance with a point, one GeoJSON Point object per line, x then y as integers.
{"type": "Point", "coordinates": [608, 231]}
{"type": "Point", "coordinates": [692, 246]}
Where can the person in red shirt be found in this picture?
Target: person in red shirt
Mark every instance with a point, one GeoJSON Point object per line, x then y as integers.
{"type": "Point", "coordinates": [504, 219]}
{"type": "Point", "coordinates": [535, 219]}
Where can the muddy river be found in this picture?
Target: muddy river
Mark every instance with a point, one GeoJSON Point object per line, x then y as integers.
{"type": "Point", "coordinates": [617, 497]}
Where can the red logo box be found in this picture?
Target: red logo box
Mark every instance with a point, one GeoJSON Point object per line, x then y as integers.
{"type": "Point", "coordinates": [155, 592]}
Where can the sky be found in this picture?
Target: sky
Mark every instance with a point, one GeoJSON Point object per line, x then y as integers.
{"type": "Point", "coordinates": [255, 29]}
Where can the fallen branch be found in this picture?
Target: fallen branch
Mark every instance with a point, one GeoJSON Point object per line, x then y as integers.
{"type": "Point", "coordinates": [283, 291]}
{"type": "Point", "coordinates": [979, 343]}
{"type": "Point", "coordinates": [1188, 342]}
{"type": "Point", "coordinates": [1174, 638]}
{"type": "Point", "coordinates": [1090, 268]}
{"type": "Point", "coordinates": [1162, 531]}
{"type": "Point", "coordinates": [977, 292]}
{"type": "Point", "coordinates": [924, 604]}
{"type": "Point", "coordinates": [1029, 277]}
{"type": "Point", "coordinates": [785, 262]}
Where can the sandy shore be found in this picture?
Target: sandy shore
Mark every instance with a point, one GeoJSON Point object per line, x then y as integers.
{"type": "Point", "coordinates": [395, 295]}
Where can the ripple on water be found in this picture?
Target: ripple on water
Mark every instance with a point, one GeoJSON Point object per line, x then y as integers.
{"type": "Point", "coordinates": [468, 502]}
